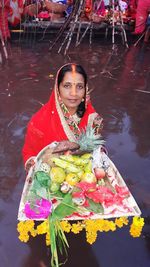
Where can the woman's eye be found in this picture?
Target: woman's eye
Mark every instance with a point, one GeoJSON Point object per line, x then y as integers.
{"type": "Point", "coordinates": [80, 87]}
{"type": "Point", "coordinates": [67, 85]}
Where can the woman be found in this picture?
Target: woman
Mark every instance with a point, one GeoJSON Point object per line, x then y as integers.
{"type": "Point", "coordinates": [142, 10]}
{"type": "Point", "coordinates": [66, 114]}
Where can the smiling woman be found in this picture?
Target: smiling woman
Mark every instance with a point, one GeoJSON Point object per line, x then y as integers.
{"type": "Point", "coordinates": [72, 85]}
{"type": "Point", "coordinates": [67, 113]}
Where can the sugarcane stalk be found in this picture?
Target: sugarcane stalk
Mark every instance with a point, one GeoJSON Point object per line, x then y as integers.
{"type": "Point", "coordinates": [3, 45]}
{"type": "Point", "coordinates": [113, 23]}
{"type": "Point", "coordinates": [65, 39]}
{"type": "Point", "coordinates": [91, 31]}
{"type": "Point", "coordinates": [74, 25]}
{"type": "Point", "coordinates": [122, 28]}
{"type": "Point", "coordinates": [78, 33]}
{"type": "Point", "coordinates": [67, 22]}
{"type": "Point", "coordinates": [84, 33]}
{"type": "Point", "coordinates": [139, 39]}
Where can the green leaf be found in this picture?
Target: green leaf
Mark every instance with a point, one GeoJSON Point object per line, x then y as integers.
{"type": "Point", "coordinates": [57, 194]}
{"type": "Point", "coordinates": [65, 208]}
{"type": "Point", "coordinates": [36, 186]}
{"type": "Point", "coordinates": [43, 178]}
{"type": "Point", "coordinates": [54, 258]}
{"type": "Point", "coordinates": [95, 207]}
{"type": "Point", "coordinates": [42, 193]}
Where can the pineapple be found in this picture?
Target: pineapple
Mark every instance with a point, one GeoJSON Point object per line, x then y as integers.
{"type": "Point", "coordinates": [88, 140]}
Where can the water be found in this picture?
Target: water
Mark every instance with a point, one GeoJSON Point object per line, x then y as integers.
{"type": "Point", "coordinates": [121, 93]}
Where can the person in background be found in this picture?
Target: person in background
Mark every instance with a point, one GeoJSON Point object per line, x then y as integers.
{"type": "Point", "coordinates": [4, 11]}
{"type": "Point", "coordinates": [67, 113]}
{"type": "Point", "coordinates": [143, 8]}
{"type": "Point", "coordinates": [65, 2]}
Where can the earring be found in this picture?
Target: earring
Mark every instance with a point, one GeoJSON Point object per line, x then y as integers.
{"type": "Point", "coordinates": [82, 100]}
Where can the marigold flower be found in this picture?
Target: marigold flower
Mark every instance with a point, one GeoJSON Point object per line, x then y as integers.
{"type": "Point", "coordinates": [76, 228]}
{"type": "Point", "coordinates": [136, 226]}
{"type": "Point", "coordinates": [24, 237]}
{"type": "Point", "coordinates": [91, 237]}
{"type": "Point", "coordinates": [66, 226]}
{"type": "Point", "coordinates": [42, 228]}
{"type": "Point", "coordinates": [24, 228]}
{"type": "Point", "coordinates": [120, 222]}
{"type": "Point", "coordinates": [48, 241]}
{"type": "Point", "coordinates": [91, 230]}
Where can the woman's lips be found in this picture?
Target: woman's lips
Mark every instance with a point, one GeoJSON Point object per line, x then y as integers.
{"type": "Point", "coordinates": [72, 100]}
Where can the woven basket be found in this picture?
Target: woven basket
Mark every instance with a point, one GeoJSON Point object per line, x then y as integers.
{"type": "Point", "coordinates": [55, 7]}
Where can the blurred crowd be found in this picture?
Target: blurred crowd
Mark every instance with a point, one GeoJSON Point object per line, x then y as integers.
{"type": "Point", "coordinates": [12, 12]}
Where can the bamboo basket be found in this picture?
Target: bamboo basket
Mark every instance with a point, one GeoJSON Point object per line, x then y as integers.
{"type": "Point", "coordinates": [130, 201]}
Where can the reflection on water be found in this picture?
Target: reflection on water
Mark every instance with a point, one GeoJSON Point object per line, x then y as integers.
{"type": "Point", "coordinates": [121, 87]}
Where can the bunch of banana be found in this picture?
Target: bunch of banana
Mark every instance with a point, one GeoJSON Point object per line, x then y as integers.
{"type": "Point", "coordinates": [77, 168]}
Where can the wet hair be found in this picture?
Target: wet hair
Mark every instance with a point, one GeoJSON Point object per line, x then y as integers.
{"type": "Point", "coordinates": [78, 69]}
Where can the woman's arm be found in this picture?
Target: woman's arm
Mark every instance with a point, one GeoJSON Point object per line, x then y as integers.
{"type": "Point", "coordinates": [33, 142]}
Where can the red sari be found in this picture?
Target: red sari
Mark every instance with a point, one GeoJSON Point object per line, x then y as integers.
{"type": "Point", "coordinates": [4, 11]}
{"type": "Point", "coordinates": [49, 124]}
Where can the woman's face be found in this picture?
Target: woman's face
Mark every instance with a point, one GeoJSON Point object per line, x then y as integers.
{"type": "Point", "coordinates": [72, 90]}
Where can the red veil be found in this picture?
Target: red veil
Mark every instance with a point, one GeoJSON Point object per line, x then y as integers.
{"type": "Point", "coordinates": [49, 125]}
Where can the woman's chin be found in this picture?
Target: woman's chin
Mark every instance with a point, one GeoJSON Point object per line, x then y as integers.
{"type": "Point", "coordinates": [72, 104]}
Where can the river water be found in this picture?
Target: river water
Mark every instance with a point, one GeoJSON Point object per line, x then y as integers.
{"type": "Point", "coordinates": [121, 94]}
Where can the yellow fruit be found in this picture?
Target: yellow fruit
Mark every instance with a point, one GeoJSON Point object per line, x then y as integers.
{"type": "Point", "coordinates": [86, 156]}
{"type": "Point", "coordinates": [57, 174]}
{"type": "Point", "coordinates": [72, 179]}
{"type": "Point", "coordinates": [80, 174]}
{"type": "Point", "coordinates": [88, 167]}
{"type": "Point", "coordinates": [88, 177]}
{"type": "Point", "coordinates": [54, 187]}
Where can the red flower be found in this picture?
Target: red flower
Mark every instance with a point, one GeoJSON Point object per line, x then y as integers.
{"type": "Point", "coordinates": [85, 186]}
{"type": "Point", "coordinates": [96, 196]}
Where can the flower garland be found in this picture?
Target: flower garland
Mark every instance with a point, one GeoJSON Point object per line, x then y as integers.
{"type": "Point", "coordinates": [91, 227]}
{"type": "Point", "coordinates": [136, 226]}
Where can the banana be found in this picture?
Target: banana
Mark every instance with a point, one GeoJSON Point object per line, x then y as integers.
{"type": "Point", "coordinates": [69, 167]}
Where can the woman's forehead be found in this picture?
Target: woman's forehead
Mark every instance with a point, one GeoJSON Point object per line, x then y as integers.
{"type": "Point", "coordinates": [72, 76]}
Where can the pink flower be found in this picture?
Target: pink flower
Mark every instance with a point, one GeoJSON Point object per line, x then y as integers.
{"type": "Point", "coordinates": [41, 210]}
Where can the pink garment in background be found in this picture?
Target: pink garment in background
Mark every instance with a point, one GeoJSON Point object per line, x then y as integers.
{"type": "Point", "coordinates": [143, 8]}
{"type": "Point", "coordinates": [99, 7]}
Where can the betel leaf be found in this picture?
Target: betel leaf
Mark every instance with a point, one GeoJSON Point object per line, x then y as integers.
{"type": "Point", "coordinates": [43, 178]}
{"type": "Point", "coordinates": [65, 208]}
{"type": "Point", "coordinates": [95, 207]}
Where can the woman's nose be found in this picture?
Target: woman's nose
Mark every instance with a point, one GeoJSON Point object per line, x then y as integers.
{"type": "Point", "coordinates": [73, 90]}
